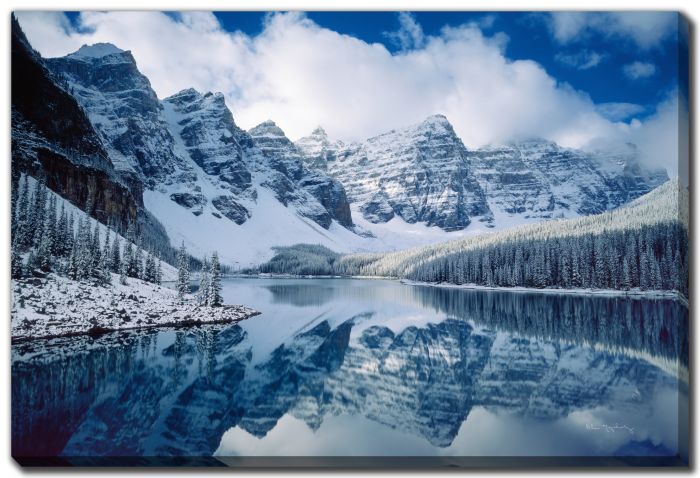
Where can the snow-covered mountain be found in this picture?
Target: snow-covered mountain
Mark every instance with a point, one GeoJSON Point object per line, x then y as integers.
{"type": "Point", "coordinates": [211, 183]}
{"type": "Point", "coordinates": [542, 180]}
{"type": "Point", "coordinates": [420, 174]}
{"type": "Point", "coordinates": [216, 186]}
{"type": "Point", "coordinates": [424, 174]}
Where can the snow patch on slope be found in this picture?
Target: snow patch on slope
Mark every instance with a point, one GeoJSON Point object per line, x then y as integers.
{"type": "Point", "coordinates": [271, 224]}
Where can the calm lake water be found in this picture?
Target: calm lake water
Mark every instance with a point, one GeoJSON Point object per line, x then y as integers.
{"type": "Point", "coordinates": [337, 367]}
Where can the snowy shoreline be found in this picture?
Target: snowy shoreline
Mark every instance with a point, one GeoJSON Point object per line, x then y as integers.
{"type": "Point", "coordinates": [652, 294]}
{"type": "Point", "coordinates": [55, 306]}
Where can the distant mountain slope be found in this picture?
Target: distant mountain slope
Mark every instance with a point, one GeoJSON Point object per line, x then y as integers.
{"type": "Point", "coordinates": [667, 204]}
{"type": "Point", "coordinates": [642, 246]}
{"type": "Point", "coordinates": [424, 174]}
{"type": "Point", "coordinates": [420, 174]}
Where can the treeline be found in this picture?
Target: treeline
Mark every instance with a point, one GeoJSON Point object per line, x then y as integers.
{"type": "Point", "coordinates": [45, 239]}
{"type": "Point", "coordinates": [650, 257]}
{"type": "Point", "coordinates": [301, 259]}
{"type": "Point", "coordinates": [653, 257]}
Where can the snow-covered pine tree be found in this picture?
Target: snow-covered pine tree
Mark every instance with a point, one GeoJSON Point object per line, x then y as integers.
{"type": "Point", "coordinates": [16, 268]}
{"type": "Point", "coordinates": [106, 254]}
{"type": "Point", "coordinates": [23, 228]}
{"type": "Point", "coordinates": [215, 299]}
{"type": "Point", "coordinates": [14, 196]}
{"type": "Point", "coordinates": [95, 248]}
{"type": "Point", "coordinates": [82, 249]}
{"type": "Point", "coordinates": [73, 269]}
{"type": "Point", "coordinates": [116, 255]}
{"type": "Point", "coordinates": [159, 271]}
{"type": "Point", "coordinates": [103, 270]}
{"type": "Point", "coordinates": [60, 245]}
{"type": "Point", "coordinates": [122, 271]}
{"type": "Point", "coordinates": [203, 292]}
{"type": "Point", "coordinates": [128, 259]}
{"type": "Point", "coordinates": [70, 233]}
{"type": "Point", "coordinates": [149, 268]}
{"type": "Point", "coordinates": [140, 266]}
{"type": "Point", "coordinates": [183, 273]}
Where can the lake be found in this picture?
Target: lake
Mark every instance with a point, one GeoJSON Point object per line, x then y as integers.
{"type": "Point", "coordinates": [363, 368]}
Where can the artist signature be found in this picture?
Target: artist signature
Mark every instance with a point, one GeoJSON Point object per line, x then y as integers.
{"type": "Point", "coordinates": [609, 428]}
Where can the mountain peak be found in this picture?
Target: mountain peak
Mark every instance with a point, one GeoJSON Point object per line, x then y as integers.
{"type": "Point", "coordinates": [188, 94]}
{"type": "Point", "coordinates": [97, 50]}
{"type": "Point", "coordinates": [437, 119]}
{"type": "Point", "coordinates": [319, 131]}
{"type": "Point", "coordinates": [266, 128]}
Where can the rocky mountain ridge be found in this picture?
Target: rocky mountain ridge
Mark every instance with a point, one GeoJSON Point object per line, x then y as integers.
{"type": "Point", "coordinates": [425, 174]}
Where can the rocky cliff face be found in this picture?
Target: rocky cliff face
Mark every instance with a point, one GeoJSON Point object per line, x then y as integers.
{"type": "Point", "coordinates": [425, 174]}
{"type": "Point", "coordinates": [123, 107]}
{"type": "Point", "coordinates": [420, 174]}
{"type": "Point", "coordinates": [294, 183]}
{"type": "Point", "coordinates": [539, 179]}
{"type": "Point", "coordinates": [52, 136]}
{"type": "Point", "coordinates": [210, 136]}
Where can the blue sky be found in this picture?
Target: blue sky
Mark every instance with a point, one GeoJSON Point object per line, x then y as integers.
{"type": "Point", "coordinates": [581, 79]}
{"type": "Point", "coordinates": [529, 38]}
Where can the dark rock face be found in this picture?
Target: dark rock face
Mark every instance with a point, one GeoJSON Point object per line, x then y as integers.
{"type": "Point", "coordinates": [377, 209]}
{"type": "Point", "coordinates": [51, 136]}
{"type": "Point", "coordinates": [231, 209]}
{"type": "Point", "coordinates": [190, 201]}
{"type": "Point", "coordinates": [331, 194]}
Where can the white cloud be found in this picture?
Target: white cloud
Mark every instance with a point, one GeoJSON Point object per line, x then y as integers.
{"type": "Point", "coordinates": [583, 60]}
{"type": "Point", "coordinates": [639, 69]}
{"type": "Point", "coordinates": [302, 75]}
{"type": "Point", "coordinates": [645, 29]}
{"type": "Point", "coordinates": [662, 139]}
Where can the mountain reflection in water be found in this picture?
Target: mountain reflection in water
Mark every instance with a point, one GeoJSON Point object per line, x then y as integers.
{"type": "Point", "coordinates": [360, 367]}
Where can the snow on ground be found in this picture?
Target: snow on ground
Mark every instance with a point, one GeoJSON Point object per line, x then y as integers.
{"type": "Point", "coordinates": [551, 290]}
{"type": "Point", "coordinates": [56, 306]}
{"type": "Point", "coordinates": [397, 234]}
{"type": "Point", "coordinates": [271, 224]}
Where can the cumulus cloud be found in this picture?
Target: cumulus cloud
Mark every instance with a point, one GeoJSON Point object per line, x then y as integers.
{"type": "Point", "coordinates": [583, 60]}
{"type": "Point", "coordinates": [302, 75]}
{"type": "Point", "coordinates": [645, 29]}
{"type": "Point", "coordinates": [639, 69]}
{"type": "Point", "coordinates": [662, 139]}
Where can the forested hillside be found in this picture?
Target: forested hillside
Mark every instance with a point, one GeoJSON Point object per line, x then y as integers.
{"type": "Point", "coordinates": [643, 245]}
